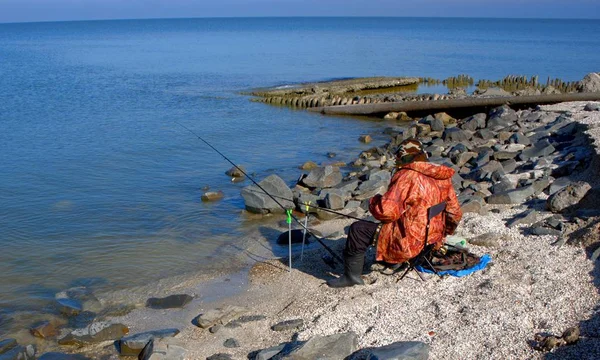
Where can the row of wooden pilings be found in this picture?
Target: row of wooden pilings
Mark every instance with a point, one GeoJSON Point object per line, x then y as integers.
{"type": "Point", "coordinates": [313, 102]}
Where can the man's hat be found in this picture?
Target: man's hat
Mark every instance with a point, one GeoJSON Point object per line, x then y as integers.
{"type": "Point", "coordinates": [411, 150]}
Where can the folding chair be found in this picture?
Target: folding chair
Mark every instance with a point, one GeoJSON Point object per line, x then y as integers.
{"type": "Point", "coordinates": [423, 259]}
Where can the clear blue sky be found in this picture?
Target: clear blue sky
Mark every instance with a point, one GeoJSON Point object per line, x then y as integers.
{"type": "Point", "coordinates": [55, 10]}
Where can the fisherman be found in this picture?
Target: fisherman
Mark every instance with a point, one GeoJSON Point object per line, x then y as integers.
{"type": "Point", "coordinates": [402, 210]}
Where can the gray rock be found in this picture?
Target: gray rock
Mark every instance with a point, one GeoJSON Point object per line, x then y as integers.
{"type": "Point", "coordinates": [590, 83]}
{"type": "Point", "coordinates": [169, 302]}
{"type": "Point", "coordinates": [509, 165]}
{"type": "Point", "coordinates": [402, 350]}
{"type": "Point", "coordinates": [269, 353]}
{"type": "Point", "coordinates": [347, 186]}
{"type": "Point", "coordinates": [501, 117]}
{"type": "Point", "coordinates": [7, 344]}
{"type": "Point", "coordinates": [485, 240]}
{"type": "Point", "coordinates": [486, 171]}
{"type": "Point", "coordinates": [82, 320]}
{"type": "Point", "coordinates": [381, 175]}
{"type": "Point", "coordinates": [462, 159]}
{"type": "Point", "coordinates": [540, 185]}
{"type": "Point", "coordinates": [516, 196]}
{"type": "Point", "coordinates": [95, 333]}
{"type": "Point", "coordinates": [288, 325]}
{"type": "Point", "coordinates": [231, 343]}
{"type": "Point", "coordinates": [212, 196]}
{"type": "Point", "coordinates": [332, 347]}
{"type": "Point", "coordinates": [484, 134]}
{"type": "Point", "coordinates": [352, 204]}
{"type": "Point", "coordinates": [323, 177]}
{"type": "Point", "coordinates": [471, 206]}
{"type": "Point", "coordinates": [505, 155]}
{"type": "Point", "coordinates": [257, 201]}
{"type": "Point", "coordinates": [540, 231]}
{"type": "Point", "coordinates": [592, 107]}
{"type": "Point", "coordinates": [334, 201]}
{"type": "Point", "coordinates": [475, 122]}
{"type": "Point", "coordinates": [435, 123]}
{"type": "Point", "coordinates": [567, 197]}
{"type": "Point", "coordinates": [219, 316]}
{"type": "Point", "coordinates": [221, 356]}
{"type": "Point", "coordinates": [502, 186]}
{"type": "Point", "coordinates": [565, 168]}
{"type": "Point", "coordinates": [541, 148]}
{"type": "Point", "coordinates": [456, 134]}
{"type": "Point", "coordinates": [492, 92]}
{"type": "Point", "coordinates": [527, 217]}
{"type": "Point", "coordinates": [558, 184]}
{"type": "Point", "coordinates": [62, 356]}
{"type": "Point", "coordinates": [134, 344]}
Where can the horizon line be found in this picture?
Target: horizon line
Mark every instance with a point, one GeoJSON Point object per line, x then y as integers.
{"type": "Point", "coordinates": [296, 17]}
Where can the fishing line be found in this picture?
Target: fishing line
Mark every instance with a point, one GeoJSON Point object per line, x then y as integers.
{"type": "Point", "coordinates": [336, 256]}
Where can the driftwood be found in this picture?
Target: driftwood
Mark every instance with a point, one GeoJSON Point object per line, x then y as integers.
{"type": "Point", "coordinates": [454, 104]}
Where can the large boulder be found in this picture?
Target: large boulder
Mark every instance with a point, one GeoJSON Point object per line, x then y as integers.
{"type": "Point", "coordinates": [567, 196]}
{"type": "Point", "coordinates": [257, 201]}
{"type": "Point", "coordinates": [515, 196]}
{"type": "Point", "coordinates": [590, 83]}
{"type": "Point", "coordinates": [323, 177]}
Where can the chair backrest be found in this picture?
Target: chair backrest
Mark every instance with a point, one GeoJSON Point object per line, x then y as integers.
{"type": "Point", "coordinates": [435, 210]}
{"type": "Point", "coordinates": [432, 212]}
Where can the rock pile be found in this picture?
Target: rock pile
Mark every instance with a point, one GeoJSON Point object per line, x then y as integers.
{"type": "Point", "coordinates": [503, 157]}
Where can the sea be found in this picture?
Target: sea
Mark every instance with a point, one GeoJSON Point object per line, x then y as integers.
{"type": "Point", "coordinates": [100, 186]}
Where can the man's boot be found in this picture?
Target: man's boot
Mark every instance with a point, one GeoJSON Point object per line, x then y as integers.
{"type": "Point", "coordinates": [353, 266]}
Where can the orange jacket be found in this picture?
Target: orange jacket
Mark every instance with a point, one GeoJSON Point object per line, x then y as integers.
{"type": "Point", "coordinates": [403, 210]}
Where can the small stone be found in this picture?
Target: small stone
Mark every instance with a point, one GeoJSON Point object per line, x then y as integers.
{"type": "Point", "coordinates": [552, 342]}
{"type": "Point", "coordinates": [220, 356]}
{"type": "Point", "coordinates": [219, 316]}
{"type": "Point", "coordinates": [528, 217]}
{"type": "Point", "coordinates": [169, 302]}
{"type": "Point", "coordinates": [309, 165]}
{"type": "Point", "coordinates": [134, 344]}
{"type": "Point", "coordinates": [269, 353]}
{"type": "Point", "coordinates": [365, 139]}
{"type": "Point", "coordinates": [215, 329]}
{"type": "Point", "coordinates": [485, 240]}
{"type": "Point", "coordinates": [571, 335]}
{"type": "Point", "coordinates": [336, 346]}
{"type": "Point", "coordinates": [236, 171]}
{"type": "Point", "coordinates": [391, 116]}
{"type": "Point", "coordinates": [288, 325]}
{"type": "Point", "coordinates": [45, 329]}
{"type": "Point", "coordinates": [231, 343]}
{"type": "Point", "coordinates": [212, 196]}
{"type": "Point", "coordinates": [592, 107]}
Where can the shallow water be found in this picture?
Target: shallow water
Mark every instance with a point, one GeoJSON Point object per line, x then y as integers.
{"type": "Point", "coordinates": [100, 187]}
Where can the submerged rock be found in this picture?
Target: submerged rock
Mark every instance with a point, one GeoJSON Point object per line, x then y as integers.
{"type": "Point", "coordinates": [212, 196]}
{"type": "Point", "coordinates": [297, 237]}
{"type": "Point", "coordinates": [69, 307]}
{"type": "Point", "coordinates": [169, 302]}
{"type": "Point", "coordinates": [236, 171]}
{"type": "Point", "coordinates": [62, 356]}
{"type": "Point", "coordinates": [95, 333]}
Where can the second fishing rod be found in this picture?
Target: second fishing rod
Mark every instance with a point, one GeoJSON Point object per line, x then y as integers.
{"type": "Point", "coordinates": [329, 250]}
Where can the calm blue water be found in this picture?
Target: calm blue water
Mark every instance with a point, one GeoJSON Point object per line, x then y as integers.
{"type": "Point", "coordinates": [97, 183]}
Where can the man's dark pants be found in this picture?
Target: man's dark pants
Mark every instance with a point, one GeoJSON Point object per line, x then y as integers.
{"type": "Point", "coordinates": [360, 237]}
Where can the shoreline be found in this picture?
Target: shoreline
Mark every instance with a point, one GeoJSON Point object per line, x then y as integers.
{"type": "Point", "coordinates": [371, 311]}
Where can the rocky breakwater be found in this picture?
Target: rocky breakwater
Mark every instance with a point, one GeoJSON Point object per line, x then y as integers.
{"type": "Point", "coordinates": [504, 157]}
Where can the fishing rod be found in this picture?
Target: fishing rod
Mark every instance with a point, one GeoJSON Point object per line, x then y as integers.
{"type": "Point", "coordinates": [322, 208]}
{"type": "Point", "coordinates": [335, 256]}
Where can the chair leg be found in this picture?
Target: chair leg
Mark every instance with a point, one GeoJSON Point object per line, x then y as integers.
{"type": "Point", "coordinates": [431, 267]}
